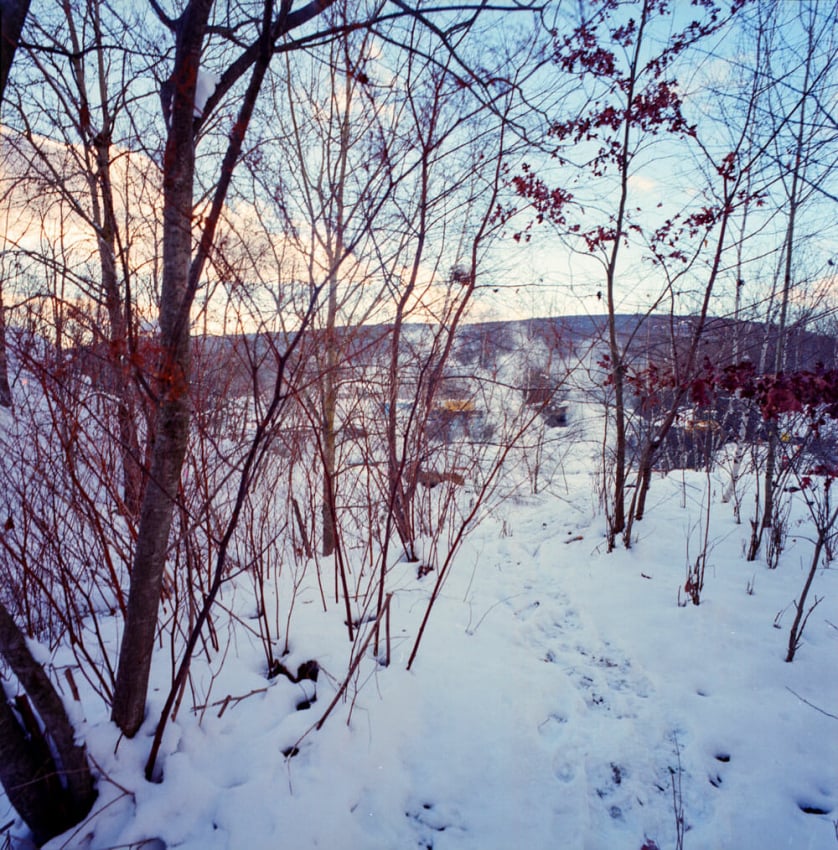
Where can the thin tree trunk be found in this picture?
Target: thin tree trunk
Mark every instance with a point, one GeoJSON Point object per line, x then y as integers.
{"type": "Point", "coordinates": [181, 278]}
{"type": "Point", "coordinates": [402, 470]}
{"type": "Point", "coordinates": [171, 428]}
{"type": "Point", "coordinates": [800, 617]}
{"type": "Point", "coordinates": [617, 518]}
{"type": "Point", "coordinates": [126, 409]}
{"type": "Point", "coordinates": [329, 401]}
{"type": "Point", "coordinates": [6, 399]}
{"type": "Point", "coordinates": [329, 540]}
{"type": "Point", "coordinates": [104, 218]}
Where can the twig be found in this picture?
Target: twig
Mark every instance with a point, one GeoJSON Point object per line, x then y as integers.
{"type": "Point", "coordinates": [678, 797]}
{"type": "Point", "coordinates": [228, 700]}
{"type": "Point", "coordinates": [353, 666]}
{"type": "Point", "coordinates": [811, 705]}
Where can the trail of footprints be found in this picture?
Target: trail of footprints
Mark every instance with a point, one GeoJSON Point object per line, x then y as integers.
{"type": "Point", "coordinates": [614, 691]}
{"type": "Point", "coordinates": [605, 681]}
{"type": "Point", "coordinates": [603, 675]}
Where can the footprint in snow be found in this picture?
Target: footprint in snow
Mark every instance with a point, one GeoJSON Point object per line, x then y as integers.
{"type": "Point", "coordinates": [553, 726]}
{"type": "Point", "coordinates": [563, 769]}
{"type": "Point", "coordinates": [430, 819]}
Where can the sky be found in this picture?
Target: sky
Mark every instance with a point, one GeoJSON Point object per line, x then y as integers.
{"type": "Point", "coordinates": [553, 272]}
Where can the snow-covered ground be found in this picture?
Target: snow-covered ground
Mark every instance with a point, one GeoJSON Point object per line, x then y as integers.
{"type": "Point", "coordinates": [561, 698]}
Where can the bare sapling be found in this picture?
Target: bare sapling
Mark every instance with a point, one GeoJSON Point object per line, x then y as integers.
{"type": "Point", "coordinates": [638, 101]}
{"type": "Point", "coordinates": [67, 535]}
{"type": "Point", "coordinates": [486, 477]}
{"type": "Point", "coordinates": [255, 457]}
{"type": "Point", "coordinates": [824, 515]}
{"type": "Point", "coordinates": [676, 776]}
{"type": "Point", "coordinates": [694, 584]}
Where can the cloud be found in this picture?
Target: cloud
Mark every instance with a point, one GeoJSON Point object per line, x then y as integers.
{"type": "Point", "coordinates": [644, 184]}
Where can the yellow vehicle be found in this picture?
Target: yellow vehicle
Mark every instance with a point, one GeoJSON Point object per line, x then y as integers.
{"type": "Point", "coordinates": [457, 405]}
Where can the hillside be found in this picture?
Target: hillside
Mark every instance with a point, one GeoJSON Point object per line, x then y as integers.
{"type": "Point", "coordinates": [560, 694]}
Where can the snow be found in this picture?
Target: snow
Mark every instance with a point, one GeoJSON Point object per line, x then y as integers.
{"type": "Point", "coordinates": [559, 696]}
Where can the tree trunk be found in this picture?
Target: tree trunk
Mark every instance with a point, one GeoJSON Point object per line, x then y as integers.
{"type": "Point", "coordinates": [126, 410]}
{"type": "Point", "coordinates": [12, 17]}
{"type": "Point", "coordinates": [801, 615]}
{"type": "Point", "coordinates": [329, 453]}
{"type": "Point", "coordinates": [5, 389]}
{"type": "Point", "coordinates": [98, 146]}
{"type": "Point", "coordinates": [617, 520]}
{"type": "Point", "coordinates": [329, 402]}
{"type": "Point", "coordinates": [171, 433]}
{"type": "Point", "coordinates": [28, 777]}
{"type": "Point", "coordinates": [51, 793]}
{"type": "Point", "coordinates": [181, 280]}
{"type": "Point", "coordinates": [171, 428]}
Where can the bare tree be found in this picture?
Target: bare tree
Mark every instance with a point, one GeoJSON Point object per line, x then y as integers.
{"type": "Point", "coordinates": [182, 274]}
{"type": "Point", "coordinates": [337, 183]}
{"type": "Point", "coordinates": [635, 106]}
{"type": "Point", "coordinates": [73, 160]}
{"type": "Point", "coordinates": [798, 76]}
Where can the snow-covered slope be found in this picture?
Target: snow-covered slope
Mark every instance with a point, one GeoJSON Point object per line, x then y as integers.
{"type": "Point", "coordinates": [561, 698]}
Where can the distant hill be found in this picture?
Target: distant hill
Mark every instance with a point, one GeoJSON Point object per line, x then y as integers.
{"type": "Point", "coordinates": [233, 358]}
